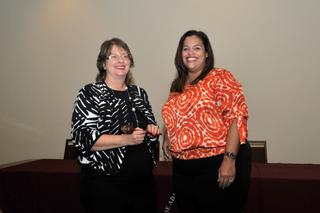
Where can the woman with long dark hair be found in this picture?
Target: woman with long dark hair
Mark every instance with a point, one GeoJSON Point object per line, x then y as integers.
{"type": "Point", "coordinates": [206, 120]}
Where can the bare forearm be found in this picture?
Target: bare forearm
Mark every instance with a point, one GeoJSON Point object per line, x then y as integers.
{"type": "Point", "coordinates": [227, 169]}
{"type": "Point", "coordinates": [109, 142]}
{"type": "Point", "coordinates": [233, 138]}
{"type": "Point", "coordinates": [106, 141]}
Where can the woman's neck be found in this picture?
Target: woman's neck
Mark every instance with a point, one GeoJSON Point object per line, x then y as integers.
{"type": "Point", "coordinates": [192, 76]}
{"type": "Point", "coordinates": [116, 84]}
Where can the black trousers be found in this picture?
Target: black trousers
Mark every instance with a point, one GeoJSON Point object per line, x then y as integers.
{"type": "Point", "coordinates": [197, 189]}
{"type": "Point", "coordinates": [104, 194]}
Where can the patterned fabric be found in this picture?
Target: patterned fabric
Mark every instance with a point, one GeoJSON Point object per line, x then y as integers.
{"type": "Point", "coordinates": [198, 119]}
{"type": "Point", "coordinates": [97, 111]}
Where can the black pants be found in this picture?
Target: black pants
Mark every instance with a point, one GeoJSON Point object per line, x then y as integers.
{"type": "Point", "coordinates": [104, 194]}
{"type": "Point", "coordinates": [197, 189]}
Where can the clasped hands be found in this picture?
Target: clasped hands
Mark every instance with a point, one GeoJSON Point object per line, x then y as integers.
{"type": "Point", "coordinates": [138, 134]}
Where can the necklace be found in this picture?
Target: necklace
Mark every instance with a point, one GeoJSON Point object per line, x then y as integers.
{"type": "Point", "coordinates": [128, 127]}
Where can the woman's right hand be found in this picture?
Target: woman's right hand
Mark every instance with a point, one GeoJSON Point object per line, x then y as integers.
{"type": "Point", "coordinates": [136, 137]}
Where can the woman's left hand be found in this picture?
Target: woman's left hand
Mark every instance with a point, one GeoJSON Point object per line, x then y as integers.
{"type": "Point", "coordinates": [227, 172]}
{"type": "Point", "coordinates": [153, 130]}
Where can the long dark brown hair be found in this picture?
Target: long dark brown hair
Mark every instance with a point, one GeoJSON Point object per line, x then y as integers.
{"type": "Point", "coordinates": [182, 71]}
{"type": "Point", "coordinates": [105, 51]}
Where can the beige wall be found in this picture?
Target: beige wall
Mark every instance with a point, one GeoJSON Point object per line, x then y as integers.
{"type": "Point", "coordinates": [48, 50]}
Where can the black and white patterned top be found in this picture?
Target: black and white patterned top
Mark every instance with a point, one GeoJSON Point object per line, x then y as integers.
{"type": "Point", "coordinates": [98, 111]}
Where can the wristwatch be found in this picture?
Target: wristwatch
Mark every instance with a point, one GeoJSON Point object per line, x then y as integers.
{"type": "Point", "coordinates": [230, 155]}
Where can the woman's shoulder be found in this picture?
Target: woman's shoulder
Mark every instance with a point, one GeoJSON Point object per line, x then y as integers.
{"type": "Point", "coordinates": [137, 89]}
{"type": "Point", "coordinates": [221, 74]}
{"type": "Point", "coordinates": [93, 85]}
{"type": "Point", "coordinates": [226, 78]}
{"type": "Point", "coordinates": [93, 88]}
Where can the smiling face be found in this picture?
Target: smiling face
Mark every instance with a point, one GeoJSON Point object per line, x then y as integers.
{"type": "Point", "coordinates": [194, 55]}
{"type": "Point", "coordinates": [117, 63]}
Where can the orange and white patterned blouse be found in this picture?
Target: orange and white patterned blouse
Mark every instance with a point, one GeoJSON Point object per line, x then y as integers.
{"type": "Point", "coordinates": [198, 119]}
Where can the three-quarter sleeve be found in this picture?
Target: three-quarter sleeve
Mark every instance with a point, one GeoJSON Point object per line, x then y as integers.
{"type": "Point", "coordinates": [238, 106]}
{"type": "Point", "coordinates": [85, 119]}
